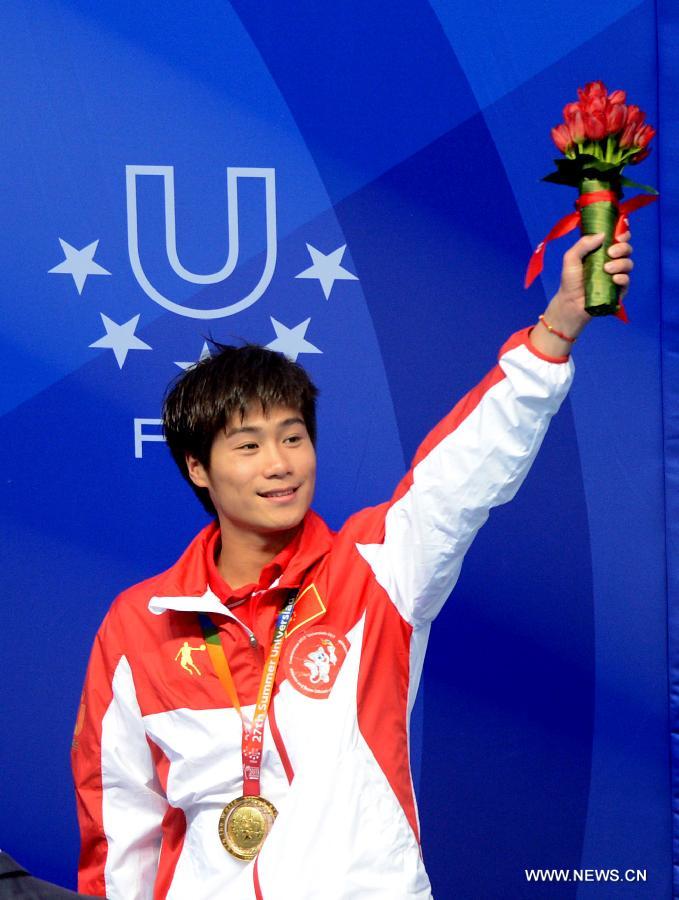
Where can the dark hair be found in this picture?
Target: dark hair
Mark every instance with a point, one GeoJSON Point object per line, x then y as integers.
{"type": "Point", "coordinates": [202, 401]}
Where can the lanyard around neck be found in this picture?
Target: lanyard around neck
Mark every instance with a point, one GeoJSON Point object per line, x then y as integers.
{"type": "Point", "coordinates": [253, 734]}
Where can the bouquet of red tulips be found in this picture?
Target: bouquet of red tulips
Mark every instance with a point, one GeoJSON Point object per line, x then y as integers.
{"type": "Point", "coordinates": [599, 136]}
{"type": "Point", "coordinates": [604, 126]}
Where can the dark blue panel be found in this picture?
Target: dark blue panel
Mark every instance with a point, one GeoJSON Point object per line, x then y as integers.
{"type": "Point", "coordinates": [668, 21]}
{"type": "Point", "coordinates": [522, 41]}
{"type": "Point", "coordinates": [367, 83]}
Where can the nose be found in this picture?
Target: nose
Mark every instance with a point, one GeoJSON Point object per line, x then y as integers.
{"type": "Point", "coordinates": [277, 464]}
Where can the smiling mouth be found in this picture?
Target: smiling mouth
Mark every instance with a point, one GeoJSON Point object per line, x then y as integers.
{"type": "Point", "coordinates": [283, 492]}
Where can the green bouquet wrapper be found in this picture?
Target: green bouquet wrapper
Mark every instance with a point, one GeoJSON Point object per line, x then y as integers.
{"type": "Point", "coordinates": [601, 293]}
{"type": "Point", "coordinates": [591, 175]}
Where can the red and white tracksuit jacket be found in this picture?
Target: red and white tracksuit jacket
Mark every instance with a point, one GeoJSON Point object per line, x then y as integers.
{"type": "Point", "coordinates": [157, 749]}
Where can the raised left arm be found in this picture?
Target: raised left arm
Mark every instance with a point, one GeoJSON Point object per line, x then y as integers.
{"type": "Point", "coordinates": [479, 455]}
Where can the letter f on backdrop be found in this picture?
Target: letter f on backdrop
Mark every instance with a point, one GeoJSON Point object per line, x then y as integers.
{"type": "Point", "coordinates": [232, 176]}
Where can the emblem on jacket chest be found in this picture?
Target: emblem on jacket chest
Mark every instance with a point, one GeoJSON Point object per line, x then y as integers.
{"type": "Point", "coordinates": [313, 660]}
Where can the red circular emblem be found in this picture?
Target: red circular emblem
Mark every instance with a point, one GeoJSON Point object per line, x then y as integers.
{"type": "Point", "coordinates": [313, 660]}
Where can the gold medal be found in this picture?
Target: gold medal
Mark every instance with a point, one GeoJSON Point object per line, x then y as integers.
{"type": "Point", "coordinates": [244, 825]}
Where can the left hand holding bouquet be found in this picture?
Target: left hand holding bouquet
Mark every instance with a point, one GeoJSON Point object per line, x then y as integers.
{"type": "Point", "coordinates": [565, 317]}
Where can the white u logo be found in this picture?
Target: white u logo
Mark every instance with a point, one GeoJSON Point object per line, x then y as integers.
{"type": "Point", "coordinates": [232, 176]}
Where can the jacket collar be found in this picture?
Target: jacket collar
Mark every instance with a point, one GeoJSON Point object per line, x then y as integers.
{"type": "Point", "coordinates": [185, 587]}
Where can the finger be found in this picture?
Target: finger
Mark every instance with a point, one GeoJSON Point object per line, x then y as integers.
{"type": "Point", "coordinates": [623, 282]}
{"type": "Point", "coordinates": [581, 248]}
{"type": "Point", "coordinates": [617, 266]}
{"type": "Point", "coordinates": [625, 236]}
{"type": "Point", "coordinates": [615, 251]}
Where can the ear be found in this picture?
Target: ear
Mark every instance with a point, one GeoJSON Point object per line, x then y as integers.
{"type": "Point", "coordinates": [197, 471]}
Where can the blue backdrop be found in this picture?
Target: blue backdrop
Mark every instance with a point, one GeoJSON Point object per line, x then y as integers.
{"type": "Point", "coordinates": [380, 165]}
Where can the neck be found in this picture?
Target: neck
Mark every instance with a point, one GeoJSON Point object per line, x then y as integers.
{"type": "Point", "coordinates": [244, 553]}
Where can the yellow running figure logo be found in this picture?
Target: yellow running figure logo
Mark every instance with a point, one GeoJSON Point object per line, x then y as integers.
{"type": "Point", "coordinates": [185, 659]}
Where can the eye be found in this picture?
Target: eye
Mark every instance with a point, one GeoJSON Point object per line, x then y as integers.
{"type": "Point", "coordinates": [249, 446]}
{"type": "Point", "coordinates": [293, 439]}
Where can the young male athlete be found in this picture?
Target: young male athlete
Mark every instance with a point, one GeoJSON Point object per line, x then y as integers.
{"type": "Point", "coordinates": [244, 725]}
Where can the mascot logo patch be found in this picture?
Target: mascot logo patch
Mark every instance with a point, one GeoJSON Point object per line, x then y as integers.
{"type": "Point", "coordinates": [314, 660]}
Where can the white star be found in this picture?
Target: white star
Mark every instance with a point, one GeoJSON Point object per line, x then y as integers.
{"type": "Point", "coordinates": [291, 341]}
{"type": "Point", "coordinates": [79, 263]}
{"type": "Point", "coordinates": [120, 338]}
{"type": "Point", "coordinates": [204, 354]}
{"type": "Point", "coordinates": [326, 267]}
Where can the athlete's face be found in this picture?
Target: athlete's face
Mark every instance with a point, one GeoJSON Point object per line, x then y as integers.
{"type": "Point", "coordinates": [262, 472]}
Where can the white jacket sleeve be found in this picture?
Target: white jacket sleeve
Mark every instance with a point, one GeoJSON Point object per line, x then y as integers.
{"type": "Point", "coordinates": [119, 798]}
{"type": "Point", "coordinates": [475, 459]}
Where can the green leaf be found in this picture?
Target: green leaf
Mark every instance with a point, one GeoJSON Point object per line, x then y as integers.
{"type": "Point", "coordinates": [646, 188]}
{"type": "Point", "coordinates": [571, 171]}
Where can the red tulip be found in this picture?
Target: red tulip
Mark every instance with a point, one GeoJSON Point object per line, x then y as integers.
{"type": "Point", "coordinates": [592, 105]}
{"type": "Point", "coordinates": [627, 137]}
{"type": "Point", "coordinates": [635, 116]}
{"type": "Point", "coordinates": [617, 97]}
{"type": "Point", "coordinates": [591, 90]}
{"type": "Point", "coordinates": [640, 156]}
{"type": "Point", "coordinates": [569, 110]}
{"type": "Point", "coordinates": [643, 136]}
{"type": "Point", "coordinates": [573, 118]}
{"type": "Point", "coordinates": [616, 116]}
{"type": "Point", "coordinates": [595, 105]}
{"type": "Point", "coordinates": [577, 128]}
{"type": "Point", "coordinates": [595, 126]}
{"type": "Point", "coordinates": [562, 137]}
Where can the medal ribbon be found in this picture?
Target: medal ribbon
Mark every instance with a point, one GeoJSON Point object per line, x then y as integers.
{"type": "Point", "coordinates": [572, 220]}
{"type": "Point", "coordinates": [253, 735]}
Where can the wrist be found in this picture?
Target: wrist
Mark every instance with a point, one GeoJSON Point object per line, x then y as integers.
{"type": "Point", "coordinates": [549, 344]}
{"type": "Point", "coordinates": [559, 327]}
{"type": "Point", "coordinates": [542, 319]}
{"type": "Point", "coordinates": [567, 316]}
